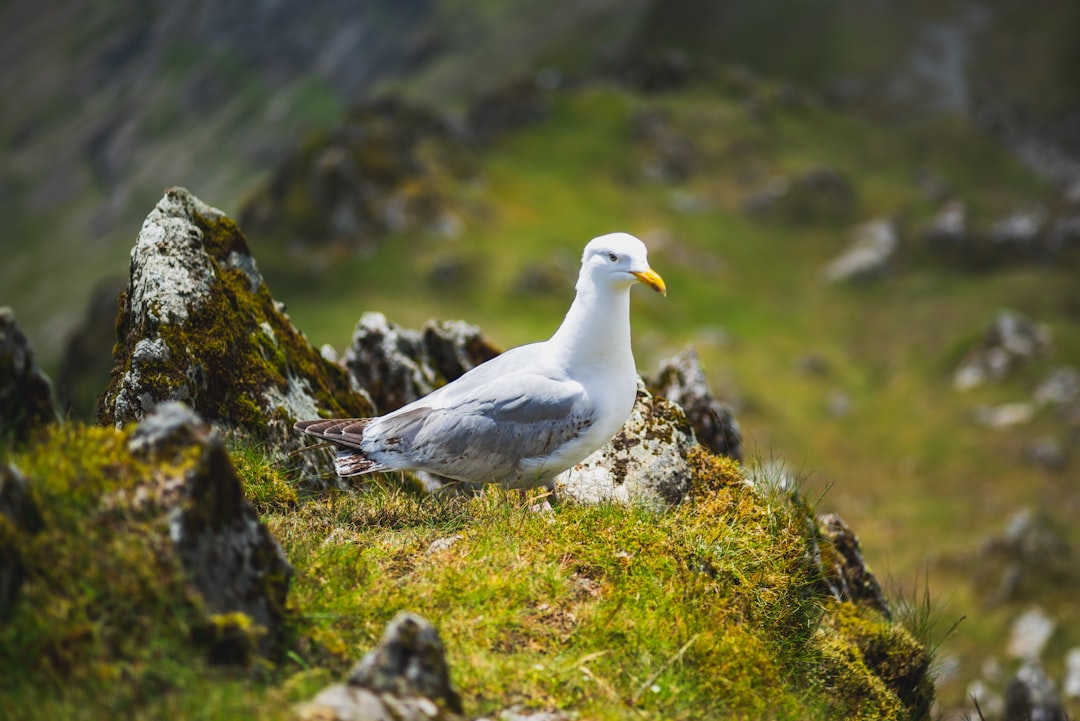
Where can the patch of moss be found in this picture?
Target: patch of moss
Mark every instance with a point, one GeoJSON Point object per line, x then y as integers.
{"type": "Point", "coordinates": [889, 653]}
{"type": "Point", "coordinates": [102, 596]}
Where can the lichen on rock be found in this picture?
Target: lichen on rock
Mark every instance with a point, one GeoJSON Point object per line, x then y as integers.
{"type": "Point", "coordinates": [645, 463]}
{"type": "Point", "coordinates": [398, 365]}
{"type": "Point", "coordinates": [136, 543]}
{"type": "Point", "coordinates": [231, 558]}
{"type": "Point", "coordinates": [198, 325]}
{"type": "Point", "coordinates": [682, 380]}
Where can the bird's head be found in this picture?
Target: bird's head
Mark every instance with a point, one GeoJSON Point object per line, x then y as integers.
{"type": "Point", "coordinates": [619, 259]}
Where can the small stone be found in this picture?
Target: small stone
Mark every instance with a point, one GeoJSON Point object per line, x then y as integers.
{"type": "Point", "coordinates": [1009, 341]}
{"type": "Point", "coordinates": [1005, 415]}
{"type": "Point", "coordinates": [1030, 696]}
{"type": "Point", "coordinates": [441, 544]}
{"type": "Point", "coordinates": [869, 255]}
{"type": "Point", "coordinates": [1029, 634]}
{"type": "Point", "coordinates": [409, 661]}
{"type": "Point", "coordinates": [949, 228]}
{"type": "Point", "coordinates": [1070, 685]}
{"type": "Point", "coordinates": [1061, 387]}
{"type": "Point", "coordinates": [838, 404]}
{"type": "Point", "coordinates": [1046, 453]}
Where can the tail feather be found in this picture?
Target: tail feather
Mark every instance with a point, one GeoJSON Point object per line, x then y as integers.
{"type": "Point", "coordinates": [347, 434]}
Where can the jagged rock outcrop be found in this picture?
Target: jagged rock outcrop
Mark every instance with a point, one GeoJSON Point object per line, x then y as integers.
{"type": "Point", "coordinates": [397, 365]}
{"type": "Point", "coordinates": [233, 561]}
{"type": "Point", "coordinates": [843, 569]}
{"type": "Point", "coordinates": [26, 393]}
{"type": "Point", "coordinates": [645, 463]}
{"type": "Point", "coordinates": [405, 678]}
{"type": "Point", "coordinates": [1010, 340]}
{"type": "Point", "coordinates": [681, 379]}
{"type": "Point", "coordinates": [198, 325]}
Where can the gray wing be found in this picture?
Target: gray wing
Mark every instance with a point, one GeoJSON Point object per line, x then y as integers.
{"type": "Point", "coordinates": [482, 438]}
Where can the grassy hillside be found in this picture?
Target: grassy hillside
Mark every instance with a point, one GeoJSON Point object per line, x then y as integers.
{"type": "Point", "coordinates": [706, 611]}
{"type": "Point", "coordinates": [906, 465]}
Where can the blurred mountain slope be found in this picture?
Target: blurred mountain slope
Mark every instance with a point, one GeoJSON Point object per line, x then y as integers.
{"type": "Point", "coordinates": [107, 103]}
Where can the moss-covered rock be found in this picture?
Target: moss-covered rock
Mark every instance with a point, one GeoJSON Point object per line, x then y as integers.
{"type": "Point", "coordinates": [18, 515]}
{"type": "Point", "coordinates": [143, 547]}
{"type": "Point", "coordinates": [199, 325]}
{"type": "Point", "coordinates": [872, 667]}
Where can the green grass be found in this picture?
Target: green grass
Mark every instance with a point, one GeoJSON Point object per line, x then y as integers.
{"type": "Point", "coordinates": [706, 611]}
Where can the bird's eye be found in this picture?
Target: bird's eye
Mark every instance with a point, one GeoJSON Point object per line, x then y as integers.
{"type": "Point", "coordinates": [612, 257]}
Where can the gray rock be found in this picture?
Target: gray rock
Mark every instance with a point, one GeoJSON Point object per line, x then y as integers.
{"type": "Point", "coordinates": [1031, 696]}
{"type": "Point", "coordinates": [1048, 453]}
{"type": "Point", "coordinates": [1061, 387]}
{"type": "Point", "coordinates": [232, 559]}
{"type": "Point", "coordinates": [397, 365]}
{"type": "Point", "coordinates": [199, 325]}
{"type": "Point", "coordinates": [1020, 232]}
{"type": "Point", "coordinates": [1028, 554]}
{"type": "Point", "coordinates": [409, 660]}
{"type": "Point", "coordinates": [27, 402]}
{"type": "Point", "coordinates": [1029, 634]}
{"type": "Point", "coordinates": [948, 230]}
{"type": "Point", "coordinates": [18, 509]}
{"type": "Point", "coordinates": [645, 463]}
{"type": "Point", "coordinates": [1009, 341]}
{"type": "Point", "coordinates": [1064, 234]}
{"type": "Point", "coordinates": [1005, 415]}
{"type": "Point", "coordinates": [681, 379]}
{"type": "Point", "coordinates": [1070, 684]}
{"type": "Point", "coordinates": [843, 568]}
{"type": "Point", "coordinates": [405, 678]}
{"type": "Point", "coordinates": [869, 255]}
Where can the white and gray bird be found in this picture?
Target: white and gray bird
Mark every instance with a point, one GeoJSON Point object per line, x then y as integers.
{"type": "Point", "coordinates": [527, 415]}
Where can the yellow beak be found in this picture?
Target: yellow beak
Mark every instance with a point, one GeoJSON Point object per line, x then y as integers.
{"type": "Point", "coordinates": [652, 279]}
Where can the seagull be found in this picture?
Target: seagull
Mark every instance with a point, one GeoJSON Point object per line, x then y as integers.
{"type": "Point", "coordinates": [525, 416]}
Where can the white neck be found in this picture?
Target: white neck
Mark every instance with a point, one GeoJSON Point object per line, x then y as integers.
{"type": "Point", "coordinates": [599, 335]}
